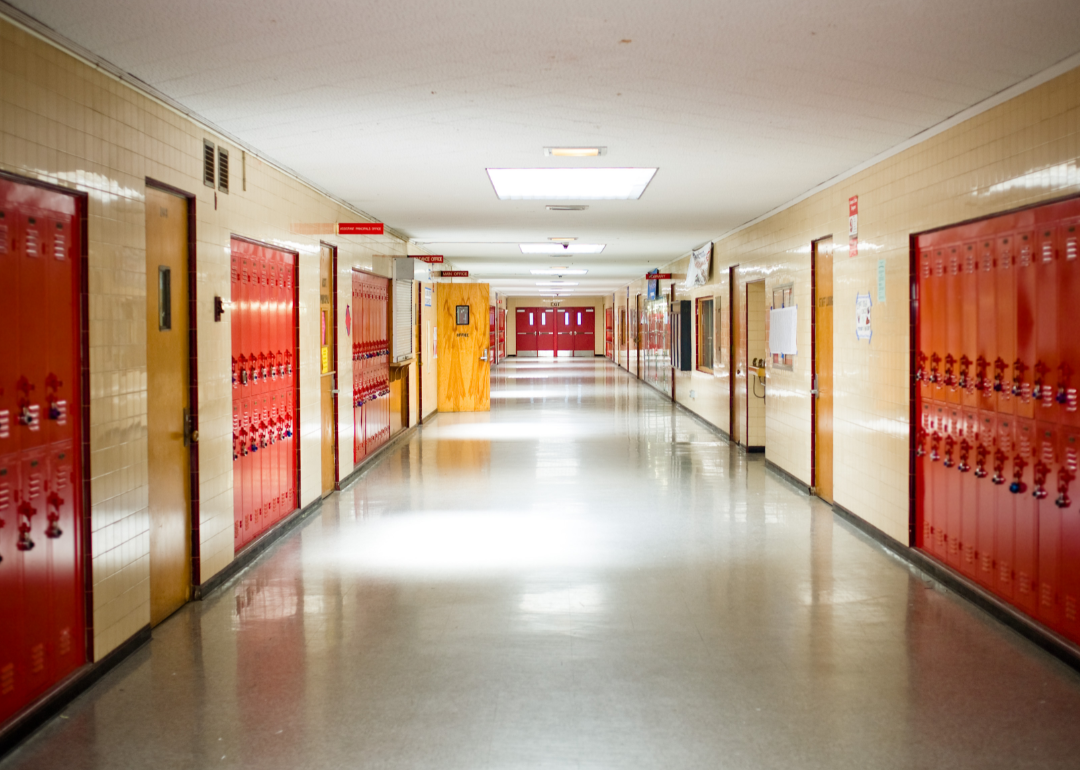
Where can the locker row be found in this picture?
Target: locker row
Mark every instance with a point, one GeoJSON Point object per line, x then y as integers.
{"type": "Point", "coordinates": [995, 376]}
{"type": "Point", "coordinates": [496, 334]}
{"type": "Point", "coordinates": [371, 364]}
{"type": "Point", "coordinates": [264, 383]}
{"type": "Point", "coordinates": [555, 331]}
{"type": "Point", "coordinates": [42, 621]}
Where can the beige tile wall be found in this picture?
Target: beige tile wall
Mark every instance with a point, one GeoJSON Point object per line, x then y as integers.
{"type": "Point", "coordinates": [64, 122]}
{"type": "Point", "coordinates": [755, 348]}
{"type": "Point", "coordinates": [1022, 152]}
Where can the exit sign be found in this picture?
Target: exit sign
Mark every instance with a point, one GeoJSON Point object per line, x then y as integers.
{"type": "Point", "coordinates": [360, 228]}
{"type": "Point", "coordinates": [453, 273]}
{"type": "Point", "coordinates": [431, 259]}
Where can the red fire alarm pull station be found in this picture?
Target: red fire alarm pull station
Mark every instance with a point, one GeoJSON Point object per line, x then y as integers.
{"type": "Point", "coordinates": [360, 228]}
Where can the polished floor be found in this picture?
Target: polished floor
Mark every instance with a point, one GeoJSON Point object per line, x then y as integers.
{"type": "Point", "coordinates": [583, 578]}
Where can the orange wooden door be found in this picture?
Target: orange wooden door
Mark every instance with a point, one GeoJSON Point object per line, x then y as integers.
{"type": "Point", "coordinates": [464, 369]}
{"type": "Point", "coordinates": [168, 402]}
{"type": "Point", "coordinates": [823, 368]}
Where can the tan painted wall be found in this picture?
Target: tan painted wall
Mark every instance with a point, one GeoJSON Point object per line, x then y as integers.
{"type": "Point", "coordinates": [71, 125]}
{"type": "Point", "coordinates": [1019, 153]}
{"type": "Point", "coordinates": [429, 355]}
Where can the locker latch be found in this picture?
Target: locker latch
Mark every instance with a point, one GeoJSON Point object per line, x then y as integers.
{"type": "Point", "coordinates": [1041, 471]}
{"type": "Point", "coordinates": [981, 365]}
{"type": "Point", "coordinates": [999, 376]}
{"type": "Point", "coordinates": [1019, 387]}
{"type": "Point", "coordinates": [57, 407]}
{"type": "Point", "coordinates": [964, 383]}
{"type": "Point", "coordinates": [965, 449]}
{"type": "Point", "coordinates": [28, 413]}
{"type": "Point", "coordinates": [935, 359]}
{"type": "Point", "coordinates": [980, 461]}
{"type": "Point", "coordinates": [54, 502]}
{"type": "Point", "coordinates": [243, 370]}
{"type": "Point", "coordinates": [950, 378]}
{"type": "Point", "coordinates": [1018, 486]}
{"type": "Point", "coordinates": [1066, 396]}
{"type": "Point", "coordinates": [999, 467]}
{"type": "Point", "coordinates": [950, 443]}
{"type": "Point", "coordinates": [1065, 476]}
{"type": "Point", "coordinates": [935, 441]}
{"type": "Point", "coordinates": [26, 512]}
{"type": "Point", "coordinates": [1041, 370]}
{"type": "Point", "coordinates": [235, 373]}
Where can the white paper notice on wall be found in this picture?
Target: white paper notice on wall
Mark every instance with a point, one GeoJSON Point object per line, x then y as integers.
{"type": "Point", "coordinates": [862, 316]}
{"type": "Point", "coordinates": [783, 325]}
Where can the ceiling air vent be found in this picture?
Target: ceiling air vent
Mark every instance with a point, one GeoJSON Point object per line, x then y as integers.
{"type": "Point", "coordinates": [208, 163]}
{"type": "Point", "coordinates": [223, 170]}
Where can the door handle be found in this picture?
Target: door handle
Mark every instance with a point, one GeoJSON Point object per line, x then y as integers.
{"type": "Point", "coordinates": [191, 436]}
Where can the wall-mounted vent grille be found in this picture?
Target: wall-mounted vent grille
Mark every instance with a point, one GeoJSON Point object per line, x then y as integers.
{"type": "Point", "coordinates": [223, 170]}
{"type": "Point", "coordinates": [208, 163]}
{"type": "Point", "coordinates": [403, 319]}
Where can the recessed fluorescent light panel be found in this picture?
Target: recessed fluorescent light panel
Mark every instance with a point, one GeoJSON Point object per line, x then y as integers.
{"type": "Point", "coordinates": [558, 271]}
{"type": "Point", "coordinates": [567, 208]}
{"type": "Point", "coordinates": [560, 284]}
{"type": "Point", "coordinates": [559, 248]}
{"type": "Point", "coordinates": [575, 152]}
{"type": "Point", "coordinates": [570, 184]}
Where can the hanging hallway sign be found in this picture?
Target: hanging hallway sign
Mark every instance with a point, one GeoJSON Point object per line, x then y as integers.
{"type": "Point", "coordinates": [360, 228]}
{"type": "Point", "coordinates": [658, 276]}
{"type": "Point", "coordinates": [453, 273]}
{"type": "Point", "coordinates": [853, 226]}
{"type": "Point", "coordinates": [431, 259]}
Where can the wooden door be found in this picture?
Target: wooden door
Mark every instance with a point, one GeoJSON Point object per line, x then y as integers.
{"type": "Point", "coordinates": [823, 368]}
{"type": "Point", "coordinates": [328, 368]}
{"type": "Point", "coordinates": [464, 371]}
{"type": "Point", "coordinates": [168, 402]}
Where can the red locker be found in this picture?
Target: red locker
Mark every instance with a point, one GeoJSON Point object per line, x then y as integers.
{"type": "Point", "coordinates": [1068, 472]}
{"type": "Point", "coordinates": [968, 512]}
{"type": "Point", "coordinates": [952, 343]}
{"type": "Point", "coordinates": [1048, 457]}
{"type": "Point", "coordinates": [986, 498]}
{"type": "Point", "coordinates": [986, 323]}
{"type": "Point", "coordinates": [1004, 509]}
{"type": "Point", "coordinates": [1005, 359]}
{"type": "Point", "coordinates": [1068, 287]}
{"type": "Point", "coordinates": [1026, 517]}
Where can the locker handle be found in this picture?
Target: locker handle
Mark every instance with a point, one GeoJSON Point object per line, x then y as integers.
{"type": "Point", "coordinates": [26, 512]}
{"type": "Point", "coordinates": [54, 502]}
{"type": "Point", "coordinates": [1064, 477]}
{"type": "Point", "coordinates": [1018, 486]}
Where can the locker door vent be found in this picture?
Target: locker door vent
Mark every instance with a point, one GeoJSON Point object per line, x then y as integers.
{"type": "Point", "coordinates": [208, 163]}
{"type": "Point", "coordinates": [223, 170]}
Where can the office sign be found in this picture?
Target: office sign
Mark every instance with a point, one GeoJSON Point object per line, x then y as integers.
{"type": "Point", "coordinates": [360, 228]}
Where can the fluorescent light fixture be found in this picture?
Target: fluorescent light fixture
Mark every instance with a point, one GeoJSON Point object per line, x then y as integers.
{"type": "Point", "coordinates": [559, 248]}
{"type": "Point", "coordinates": [559, 271]}
{"type": "Point", "coordinates": [575, 152]}
{"type": "Point", "coordinates": [570, 184]}
{"type": "Point", "coordinates": [562, 238]}
{"type": "Point", "coordinates": [560, 284]}
{"type": "Point", "coordinates": [566, 208]}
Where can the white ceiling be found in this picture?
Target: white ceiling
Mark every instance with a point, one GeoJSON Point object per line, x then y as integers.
{"type": "Point", "coordinates": [399, 106]}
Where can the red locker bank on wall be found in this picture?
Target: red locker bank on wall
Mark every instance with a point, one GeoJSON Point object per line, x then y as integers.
{"type": "Point", "coordinates": [42, 613]}
{"type": "Point", "coordinates": [264, 383]}
{"type": "Point", "coordinates": [371, 364]}
{"type": "Point", "coordinates": [997, 434]}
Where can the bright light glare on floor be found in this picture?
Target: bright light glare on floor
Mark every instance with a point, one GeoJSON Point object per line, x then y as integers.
{"type": "Point", "coordinates": [570, 184]}
{"type": "Point", "coordinates": [453, 543]}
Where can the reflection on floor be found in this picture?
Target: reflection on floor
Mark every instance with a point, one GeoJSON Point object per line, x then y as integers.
{"type": "Point", "coordinates": [583, 578]}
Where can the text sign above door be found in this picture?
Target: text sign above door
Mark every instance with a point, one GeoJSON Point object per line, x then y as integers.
{"type": "Point", "coordinates": [658, 276]}
{"type": "Point", "coordinates": [453, 273]}
{"type": "Point", "coordinates": [360, 228]}
{"type": "Point", "coordinates": [431, 259]}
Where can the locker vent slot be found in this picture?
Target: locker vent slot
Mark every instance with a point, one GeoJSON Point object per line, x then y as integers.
{"type": "Point", "coordinates": [65, 642]}
{"type": "Point", "coordinates": [5, 423]}
{"type": "Point", "coordinates": [208, 163]}
{"type": "Point", "coordinates": [5, 496]}
{"type": "Point", "coordinates": [7, 679]}
{"type": "Point", "coordinates": [60, 246]}
{"type": "Point", "coordinates": [33, 486]}
{"type": "Point", "coordinates": [37, 658]}
{"type": "Point", "coordinates": [3, 236]}
{"type": "Point", "coordinates": [1070, 247]}
{"type": "Point", "coordinates": [223, 170]}
{"type": "Point", "coordinates": [403, 319]}
{"type": "Point", "coordinates": [32, 241]}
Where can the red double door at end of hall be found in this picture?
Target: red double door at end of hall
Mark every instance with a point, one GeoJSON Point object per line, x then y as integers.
{"type": "Point", "coordinates": [546, 331]}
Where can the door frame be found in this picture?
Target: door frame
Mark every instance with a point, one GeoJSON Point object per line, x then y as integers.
{"type": "Point", "coordinates": [335, 388]}
{"type": "Point", "coordinates": [813, 357]}
{"type": "Point", "coordinates": [732, 349]}
{"type": "Point", "coordinates": [193, 376]}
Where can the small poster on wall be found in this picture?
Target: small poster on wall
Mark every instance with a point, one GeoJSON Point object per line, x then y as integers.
{"type": "Point", "coordinates": [697, 274]}
{"type": "Point", "coordinates": [862, 316]}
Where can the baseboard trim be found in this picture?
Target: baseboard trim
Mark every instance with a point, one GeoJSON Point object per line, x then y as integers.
{"type": "Point", "coordinates": [372, 460]}
{"type": "Point", "coordinates": [714, 428]}
{"type": "Point", "coordinates": [787, 476]}
{"type": "Point", "coordinates": [28, 721]}
{"type": "Point", "coordinates": [754, 450]}
{"type": "Point", "coordinates": [930, 568]}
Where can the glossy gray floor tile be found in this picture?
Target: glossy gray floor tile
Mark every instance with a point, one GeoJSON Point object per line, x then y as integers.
{"type": "Point", "coordinates": [583, 578]}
